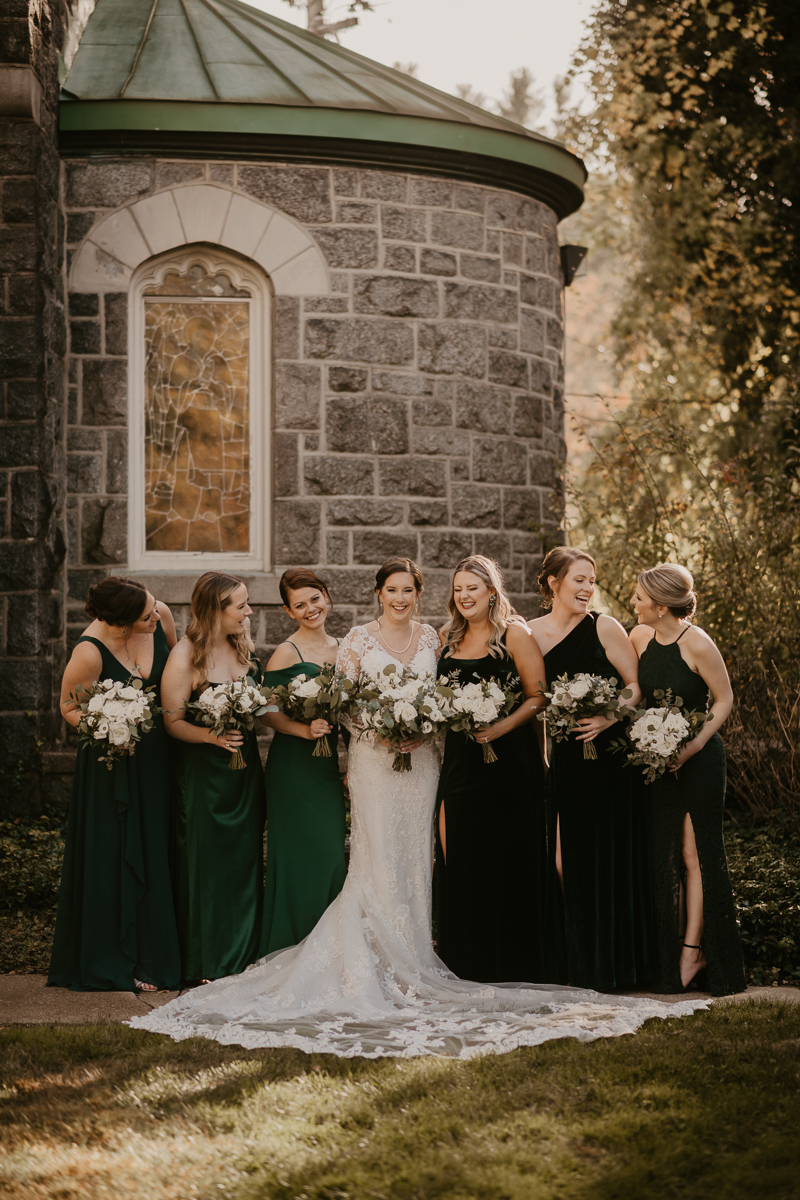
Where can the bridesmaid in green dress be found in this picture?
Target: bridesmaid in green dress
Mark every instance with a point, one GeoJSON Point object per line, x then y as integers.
{"type": "Point", "coordinates": [599, 920]}
{"type": "Point", "coordinates": [305, 798]}
{"type": "Point", "coordinates": [115, 927]}
{"type": "Point", "coordinates": [490, 827]}
{"type": "Point", "coordinates": [219, 819]}
{"type": "Point", "coordinates": [693, 901]}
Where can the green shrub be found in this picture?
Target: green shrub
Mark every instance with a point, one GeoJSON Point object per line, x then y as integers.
{"type": "Point", "coordinates": [764, 865]}
{"type": "Point", "coordinates": [30, 866]}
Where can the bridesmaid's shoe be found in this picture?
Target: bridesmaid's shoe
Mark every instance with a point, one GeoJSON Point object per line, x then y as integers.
{"type": "Point", "coordinates": [144, 987]}
{"type": "Point", "coordinates": [698, 965]}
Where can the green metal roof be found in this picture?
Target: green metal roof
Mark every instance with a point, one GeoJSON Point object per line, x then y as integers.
{"type": "Point", "coordinates": [148, 69]}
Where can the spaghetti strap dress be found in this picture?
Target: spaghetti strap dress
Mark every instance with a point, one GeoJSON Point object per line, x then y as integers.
{"type": "Point", "coordinates": [218, 855]}
{"type": "Point", "coordinates": [305, 829]}
{"type": "Point", "coordinates": [599, 923]}
{"type": "Point", "coordinates": [489, 893]}
{"type": "Point", "coordinates": [115, 921]}
{"type": "Point", "coordinates": [699, 791]}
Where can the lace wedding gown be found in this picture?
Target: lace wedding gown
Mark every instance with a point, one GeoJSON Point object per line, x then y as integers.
{"type": "Point", "coordinates": [366, 980]}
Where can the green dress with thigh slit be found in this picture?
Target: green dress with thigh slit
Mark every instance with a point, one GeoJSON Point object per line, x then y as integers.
{"type": "Point", "coordinates": [219, 831]}
{"type": "Point", "coordinates": [305, 830]}
{"type": "Point", "coordinates": [116, 920]}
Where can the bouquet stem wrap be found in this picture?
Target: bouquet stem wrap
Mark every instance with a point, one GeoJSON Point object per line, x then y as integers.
{"type": "Point", "coordinates": [226, 706]}
{"type": "Point", "coordinates": [308, 698]}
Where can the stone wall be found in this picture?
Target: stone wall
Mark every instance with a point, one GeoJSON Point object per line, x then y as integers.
{"type": "Point", "coordinates": [418, 407]}
{"type": "Point", "coordinates": [32, 346]}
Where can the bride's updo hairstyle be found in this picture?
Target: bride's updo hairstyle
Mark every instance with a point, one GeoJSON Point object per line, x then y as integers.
{"type": "Point", "coordinates": [399, 566]}
{"type": "Point", "coordinates": [210, 597]}
{"type": "Point", "coordinates": [117, 600]}
{"type": "Point", "coordinates": [671, 585]}
{"type": "Point", "coordinates": [501, 613]}
{"type": "Point", "coordinates": [301, 577]}
{"type": "Point", "coordinates": [557, 563]}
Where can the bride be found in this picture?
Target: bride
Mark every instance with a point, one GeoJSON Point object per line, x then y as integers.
{"type": "Point", "coordinates": [366, 981]}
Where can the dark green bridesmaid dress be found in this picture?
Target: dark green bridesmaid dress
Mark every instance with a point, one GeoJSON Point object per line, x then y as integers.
{"type": "Point", "coordinates": [600, 930]}
{"type": "Point", "coordinates": [116, 920]}
{"type": "Point", "coordinates": [305, 830]}
{"type": "Point", "coordinates": [699, 790]}
{"type": "Point", "coordinates": [218, 855]}
{"type": "Point", "coordinates": [489, 895]}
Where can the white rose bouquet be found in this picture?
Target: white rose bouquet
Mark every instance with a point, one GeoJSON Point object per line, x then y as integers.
{"type": "Point", "coordinates": [310, 698]}
{"type": "Point", "coordinates": [397, 706]}
{"type": "Point", "coordinates": [581, 696]}
{"type": "Point", "coordinates": [473, 706]}
{"type": "Point", "coordinates": [115, 715]}
{"type": "Point", "coordinates": [233, 705]}
{"type": "Point", "coordinates": [657, 735]}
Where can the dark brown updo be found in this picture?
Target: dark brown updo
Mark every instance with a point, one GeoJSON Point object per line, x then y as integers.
{"type": "Point", "coordinates": [557, 562]}
{"type": "Point", "coordinates": [671, 585]}
{"type": "Point", "coordinates": [300, 577]}
{"type": "Point", "coordinates": [399, 566]}
{"type": "Point", "coordinates": [117, 600]}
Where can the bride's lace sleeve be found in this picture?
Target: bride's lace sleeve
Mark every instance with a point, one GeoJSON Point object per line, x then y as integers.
{"type": "Point", "coordinates": [429, 639]}
{"type": "Point", "coordinates": [348, 660]}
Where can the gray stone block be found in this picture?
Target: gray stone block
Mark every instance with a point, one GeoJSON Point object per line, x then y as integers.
{"type": "Point", "coordinates": [32, 503]}
{"type": "Point", "coordinates": [542, 469]}
{"type": "Point", "coordinates": [478, 302]}
{"type": "Point", "coordinates": [303, 192]}
{"type": "Point", "coordinates": [376, 547]}
{"type": "Point", "coordinates": [432, 412]}
{"type": "Point", "coordinates": [326, 304]}
{"type": "Point", "coordinates": [19, 446]}
{"type": "Point", "coordinates": [441, 441]}
{"type": "Point", "coordinates": [435, 262]}
{"type": "Point", "coordinates": [24, 566]}
{"type": "Point", "coordinates": [286, 460]}
{"type": "Point", "coordinates": [345, 183]}
{"type": "Point", "coordinates": [470, 198]}
{"type": "Point", "coordinates": [78, 225]}
{"type": "Point", "coordinates": [287, 327]}
{"type": "Point", "coordinates": [532, 332]}
{"type": "Point", "coordinates": [403, 224]}
{"type": "Point", "coordinates": [411, 477]}
{"type": "Point", "coordinates": [522, 509]}
{"type": "Point", "coordinates": [395, 297]}
{"type": "Point", "coordinates": [105, 391]}
{"type": "Point", "coordinates": [340, 282]}
{"type": "Point", "coordinates": [452, 349]}
{"type": "Point", "coordinates": [536, 255]}
{"type": "Point", "coordinates": [400, 258]}
{"type": "Point", "coordinates": [27, 297]}
{"type": "Point", "coordinates": [364, 512]}
{"type": "Point", "coordinates": [428, 512]}
{"type": "Point", "coordinates": [528, 419]}
{"type": "Point", "coordinates": [531, 570]}
{"type": "Point", "coordinates": [311, 441]}
{"type": "Point", "coordinates": [476, 507]}
{"type": "Point", "coordinates": [84, 439]}
{"type": "Point", "coordinates": [104, 531]}
{"type": "Point", "coordinates": [26, 685]}
{"type": "Point", "coordinates": [297, 396]}
{"type": "Point", "coordinates": [461, 230]}
{"type": "Point", "coordinates": [459, 469]}
{"type": "Point", "coordinates": [25, 400]}
{"type": "Point", "coordinates": [499, 460]}
{"type": "Point", "coordinates": [117, 462]}
{"type": "Point", "coordinates": [509, 369]}
{"type": "Point", "coordinates": [401, 385]}
{"type": "Point", "coordinates": [337, 548]}
{"type": "Point", "coordinates": [20, 348]}
{"type": "Point", "coordinates": [83, 473]}
{"type": "Point", "coordinates": [512, 249]}
{"type": "Point", "coordinates": [30, 626]}
{"type": "Point", "coordinates": [347, 248]}
{"type": "Point", "coordinates": [445, 549]}
{"type": "Point", "coordinates": [353, 586]}
{"type": "Point", "coordinates": [483, 408]}
{"type": "Point", "coordinates": [555, 334]}
{"type": "Point", "coordinates": [297, 525]}
{"type": "Point", "coordinates": [345, 379]}
{"type": "Point", "coordinates": [503, 339]}
{"type": "Point", "coordinates": [539, 292]}
{"type": "Point", "coordinates": [169, 173]}
{"type": "Point", "coordinates": [83, 304]}
{"type": "Point", "coordinates": [492, 241]}
{"type": "Point", "coordinates": [367, 426]}
{"type": "Point", "coordinates": [501, 211]}
{"type": "Point", "coordinates": [437, 193]}
{"type": "Point", "coordinates": [221, 172]}
{"type": "Point", "coordinates": [107, 183]}
{"type": "Point", "coordinates": [534, 217]}
{"type": "Point", "coordinates": [350, 213]}
{"type": "Point", "coordinates": [474, 266]}
{"type": "Point", "coordinates": [541, 377]}
{"type": "Point", "coordinates": [381, 185]}
{"type": "Point", "coordinates": [84, 337]}
{"type": "Point", "coordinates": [496, 546]}
{"type": "Point", "coordinates": [276, 626]}
{"type": "Point", "coordinates": [360, 340]}
{"type": "Point", "coordinates": [332, 475]}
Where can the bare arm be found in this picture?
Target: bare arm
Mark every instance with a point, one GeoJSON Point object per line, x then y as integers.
{"type": "Point", "coordinates": [623, 658]}
{"type": "Point", "coordinates": [710, 666]}
{"type": "Point", "coordinates": [82, 671]}
{"type": "Point", "coordinates": [524, 649]}
{"type": "Point", "coordinates": [176, 688]}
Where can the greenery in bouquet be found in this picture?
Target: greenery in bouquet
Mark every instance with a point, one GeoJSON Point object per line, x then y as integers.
{"type": "Point", "coordinates": [398, 706]}
{"type": "Point", "coordinates": [308, 698]}
{"type": "Point", "coordinates": [114, 716]}
{"type": "Point", "coordinates": [233, 705]}
{"type": "Point", "coordinates": [473, 706]}
{"type": "Point", "coordinates": [581, 696]}
{"type": "Point", "coordinates": [657, 735]}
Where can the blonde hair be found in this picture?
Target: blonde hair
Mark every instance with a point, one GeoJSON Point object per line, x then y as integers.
{"type": "Point", "coordinates": [210, 596]}
{"type": "Point", "coordinates": [671, 585]}
{"type": "Point", "coordinates": [557, 562]}
{"type": "Point", "coordinates": [501, 614]}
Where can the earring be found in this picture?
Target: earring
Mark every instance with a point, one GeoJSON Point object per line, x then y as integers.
{"type": "Point", "coordinates": [492, 600]}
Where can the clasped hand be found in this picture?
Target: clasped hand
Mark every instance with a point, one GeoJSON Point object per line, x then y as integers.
{"type": "Point", "coordinates": [403, 747]}
{"type": "Point", "coordinates": [318, 729]}
{"type": "Point", "coordinates": [229, 739]}
{"type": "Point", "coordinates": [590, 727]}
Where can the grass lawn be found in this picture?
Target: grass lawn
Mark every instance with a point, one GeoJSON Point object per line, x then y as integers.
{"type": "Point", "coordinates": [704, 1107]}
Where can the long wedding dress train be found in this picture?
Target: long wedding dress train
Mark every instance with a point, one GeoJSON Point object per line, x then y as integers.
{"type": "Point", "coordinates": [366, 980]}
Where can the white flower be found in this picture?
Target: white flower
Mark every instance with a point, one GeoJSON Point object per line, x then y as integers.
{"type": "Point", "coordinates": [309, 687]}
{"type": "Point", "coordinates": [427, 727]}
{"type": "Point", "coordinates": [485, 712]}
{"type": "Point", "coordinates": [100, 729]}
{"type": "Point", "coordinates": [403, 711]}
{"type": "Point", "coordinates": [108, 683]}
{"type": "Point", "coordinates": [96, 703]}
{"type": "Point", "coordinates": [244, 703]}
{"type": "Point", "coordinates": [114, 708]}
{"type": "Point", "coordinates": [579, 687]}
{"type": "Point", "coordinates": [118, 733]}
{"type": "Point", "coordinates": [129, 693]}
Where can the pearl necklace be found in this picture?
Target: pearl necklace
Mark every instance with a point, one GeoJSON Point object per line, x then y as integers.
{"type": "Point", "coordinates": [392, 648]}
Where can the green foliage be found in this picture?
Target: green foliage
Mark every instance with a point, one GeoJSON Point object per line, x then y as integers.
{"type": "Point", "coordinates": [30, 865]}
{"type": "Point", "coordinates": [764, 866]}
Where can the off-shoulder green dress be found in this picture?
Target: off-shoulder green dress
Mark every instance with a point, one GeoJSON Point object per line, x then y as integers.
{"type": "Point", "coordinates": [218, 855]}
{"type": "Point", "coordinates": [305, 830]}
{"type": "Point", "coordinates": [116, 920]}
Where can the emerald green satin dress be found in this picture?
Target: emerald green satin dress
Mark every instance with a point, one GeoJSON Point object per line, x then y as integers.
{"type": "Point", "coordinates": [218, 855]}
{"type": "Point", "coordinates": [699, 791]}
{"type": "Point", "coordinates": [305, 830]}
{"type": "Point", "coordinates": [600, 926]}
{"type": "Point", "coordinates": [115, 920]}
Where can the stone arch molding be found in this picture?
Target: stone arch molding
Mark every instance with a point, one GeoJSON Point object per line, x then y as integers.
{"type": "Point", "coordinates": [178, 216]}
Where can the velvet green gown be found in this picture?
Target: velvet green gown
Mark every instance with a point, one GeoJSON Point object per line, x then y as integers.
{"type": "Point", "coordinates": [218, 856]}
{"type": "Point", "coordinates": [489, 894]}
{"type": "Point", "coordinates": [115, 920]}
{"type": "Point", "coordinates": [600, 928]}
{"type": "Point", "coordinates": [699, 790]}
{"type": "Point", "coordinates": [305, 831]}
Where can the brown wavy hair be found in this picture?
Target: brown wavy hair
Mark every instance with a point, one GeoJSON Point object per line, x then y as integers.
{"type": "Point", "coordinates": [301, 577]}
{"type": "Point", "coordinates": [671, 585]}
{"type": "Point", "coordinates": [501, 614]}
{"type": "Point", "coordinates": [211, 595]}
{"type": "Point", "coordinates": [557, 562]}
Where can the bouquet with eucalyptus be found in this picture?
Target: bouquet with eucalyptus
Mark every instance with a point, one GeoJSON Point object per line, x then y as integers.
{"type": "Point", "coordinates": [473, 706]}
{"type": "Point", "coordinates": [114, 716]}
{"type": "Point", "coordinates": [233, 705]}
{"type": "Point", "coordinates": [398, 705]}
{"type": "Point", "coordinates": [583, 695]}
{"type": "Point", "coordinates": [657, 735]}
{"type": "Point", "coordinates": [310, 698]}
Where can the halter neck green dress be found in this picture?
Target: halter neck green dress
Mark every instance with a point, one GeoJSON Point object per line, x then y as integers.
{"type": "Point", "coordinates": [305, 830]}
{"type": "Point", "coordinates": [115, 920]}
{"type": "Point", "coordinates": [489, 894]}
{"type": "Point", "coordinates": [218, 855]}
{"type": "Point", "coordinates": [600, 932]}
{"type": "Point", "coordinates": [698, 790]}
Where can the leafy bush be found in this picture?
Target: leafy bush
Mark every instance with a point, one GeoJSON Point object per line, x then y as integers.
{"type": "Point", "coordinates": [764, 865]}
{"type": "Point", "coordinates": [30, 866]}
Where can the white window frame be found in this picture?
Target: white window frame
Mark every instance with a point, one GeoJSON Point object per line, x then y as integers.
{"type": "Point", "coordinates": [246, 275]}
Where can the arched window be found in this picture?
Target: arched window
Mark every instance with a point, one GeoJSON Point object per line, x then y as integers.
{"type": "Point", "coordinates": [199, 406]}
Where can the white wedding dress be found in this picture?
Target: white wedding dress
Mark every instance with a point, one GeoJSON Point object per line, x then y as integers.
{"type": "Point", "coordinates": [366, 980]}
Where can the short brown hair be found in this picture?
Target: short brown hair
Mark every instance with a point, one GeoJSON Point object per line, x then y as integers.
{"type": "Point", "coordinates": [557, 562]}
{"type": "Point", "coordinates": [300, 577]}
{"type": "Point", "coordinates": [398, 566]}
{"type": "Point", "coordinates": [671, 585]}
{"type": "Point", "coordinates": [117, 600]}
